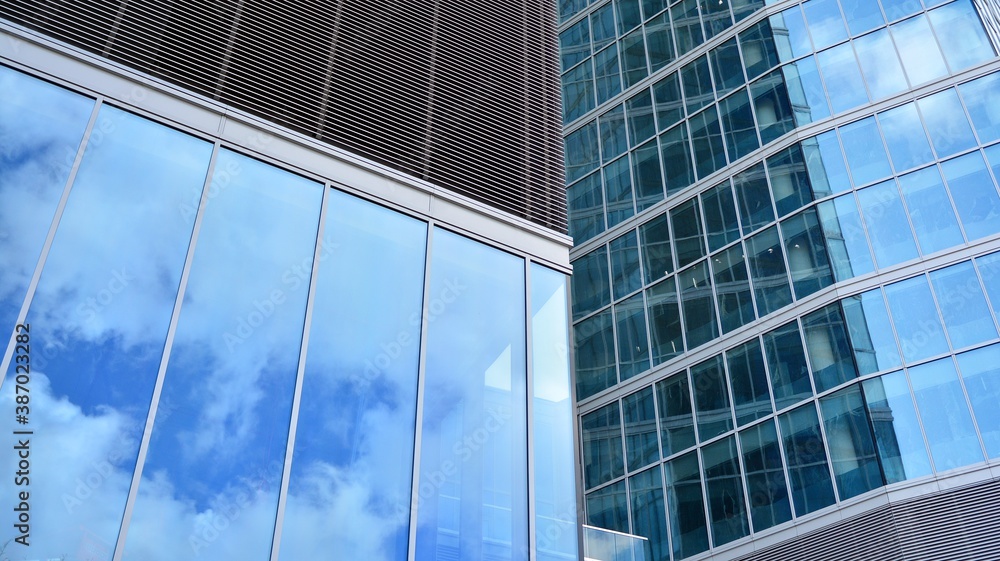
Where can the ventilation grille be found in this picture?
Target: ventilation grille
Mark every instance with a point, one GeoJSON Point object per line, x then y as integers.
{"type": "Point", "coordinates": [462, 94]}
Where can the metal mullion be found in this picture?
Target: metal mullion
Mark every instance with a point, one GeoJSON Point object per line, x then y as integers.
{"type": "Point", "coordinates": [580, 513]}
{"type": "Point", "coordinates": [826, 449]}
{"type": "Point", "coordinates": [699, 452]}
{"type": "Point", "coordinates": [421, 376]}
{"type": "Point", "coordinates": [982, 285]}
{"type": "Point", "coordinates": [165, 357]}
{"type": "Point", "coordinates": [741, 465]}
{"type": "Point", "coordinates": [666, 503]}
{"type": "Point", "coordinates": [300, 374]}
{"type": "Point", "coordinates": [776, 423]}
{"type": "Point", "coordinates": [625, 470]}
{"type": "Point", "coordinates": [43, 254]}
{"type": "Point", "coordinates": [530, 410]}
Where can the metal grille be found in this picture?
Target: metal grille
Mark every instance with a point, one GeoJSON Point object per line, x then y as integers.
{"type": "Point", "coordinates": [989, 12]}
{"type": "Point", "coordinates": [463, 95]}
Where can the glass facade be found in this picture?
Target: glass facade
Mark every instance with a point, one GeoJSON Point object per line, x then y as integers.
{"type": "Point", "coordinates": [217, 357]}
{"type": "Point", "coordinates": [820, 303]}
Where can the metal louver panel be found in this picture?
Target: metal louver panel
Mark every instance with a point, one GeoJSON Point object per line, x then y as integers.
{"type": "Point", "coordinates": [989, 12]}
{"type": "Point", "coordinates": [463, 95]}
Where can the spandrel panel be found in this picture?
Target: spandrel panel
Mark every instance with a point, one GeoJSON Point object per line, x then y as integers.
{"type": "Point", "coordinates": [594, 350]}
{"type": "Point", "coordinates": [963, 306]}
{"type": "Point", "coordinates": [475, 383]}
{"type": "Point", "coordinates": [361, 457]}
{"type": "Point", "coordinates": [842, 77]}
{"type": "Point", "coordinates": [41, 127]}
{"type": "Point", "coordinates": [887, 224]}
{"type": "Point", "coordinates": [100, 313]}
{"type": "Point", "coordinates": [981, 373]}
{"type": "Point", "coordinates": [826, 23]}
{"type": "Point", "coordinates": [808, 471]}
{"type": "Point", "coordinates": [748, 377]}
{"type": "Point", "coordinates": [657, 253]}
{"type": "Point", "coordinates": [625, 274]}
{"type": "Point", "coordinates": [232, 369]}
{"type": "Point", "coordinates": [765, 475]}
{"type": "Point", "coordinates": [946, 123]}
{"type": "Point", "coordinates": [711, 398]}
{"type": "Point", "coordinates": [552, 413]}
{"type": "Point", "coordinates": [862, 15]}
{"type": "Point", "coordinates": [980, 100]}
{"type": "Point", "coordinates": [961, 35]}
{"type": "Point", "coordinates": [871, 332]}
{"type": "Point", "coordinates": [945, 415]}
{"type": "Point", "coordinates": [866, 156]}
{"type": "Point", "coordinates": [586, 208]}
{"type": "Point", "coordinates": [879, 64]}
{"type": "Point", "coordinates": [724, 487]}
{"type": "Point", "coordinates": [664, 321]}
{"type": "Point", "coordinates": [897, 433]}
{"type": "Point", "coordinates": [905, 136]}
{"type": "Point", "coordinates": [591, 287]}
{"type": "Point", "coordinates": [633, 346]}
{"type": "Point", "coordinates": [602, 445]}
{"type": "Point", "coordinates": [698, 305]}
{"type": "Point", "coordinates": [829, 349]}
{"type": "Point", "coordinates": [852, 449]}
{"type": "Point", "coordinates": [673, 400]}
{"type": "Point", "coordinates": [641, 445]}
{"type": "Point", "coordinates": [916, 319]}
{"type": "Point", "coordinates": [732, 287]}
{"type": "Point", "coordinates": [846, 240]}
{"type": "Point", "coordinates": [808, 257]}
{"type": "Point", "coordinates": [649, 518]}
{"type": "Point", "coordinates": [922, 58]}
{"type": "Point", "coordinates": [619, 192]}
{"type": "Point", "coordinates": [767, 269]}
{"type": "Point", "coordinates": [688, 527]}
{"type": "Point", "coordinates": [974, 193]}
{"type": "Point", "coordinates": [786, 361]}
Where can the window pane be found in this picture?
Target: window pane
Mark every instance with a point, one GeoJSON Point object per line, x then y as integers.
{"type": "Point", "coordinates": [687, 25]}
{"type": "Point", "coordinates": [717, 17]}
{"type": "Point", "coordinates": [754, 197]}
{"type": "Point", "coordinates": [711, 398]}
{"type": "Point", "coordinates": [657, 256]}
{"type": "Point", "coordinates": [602, 445]}
{"type": "Point", "coordinates": [879, 63]}
{"type": "Point", "coordinates": [789, 180]}
{"type": "Point", "coordinates": [633, 50]}
{"type": "Point", "coordinates": [618, 186]}
{"type": "Point", "coordinates": [742, 9]}
{"type": "Point", "coordinates": [897, 432]}
{"type": "Point", "coordinates": [960, 297]}
{"type": "Point", "coordinates": [787, 363]}
{"type": "Point", "coordinates": [930, 210]}
{"type": "Point", "coordinates": [676, 155]}
{"type": "Point", "coordinates": [649, 519]}
{"type": "Point", "coordinates": [608, 508]}
{"type": "Point", "coordinates": [629, 15]}
{"type": "Point", "coordinates": [697, 82]}
{"type": "Point", "coordinates": [370, 446]}
{"type": "Point", "coordinates": [641, 445]}
{"type": "Point", "coordinates": [772, 106]}
{"type": "Point", "coordinates": [767, 268]}
{"type": "Point", "coordinates": [961, 34]}
{"type": "Point", "coordinates": [602, 25]}
{"type": "Point", "coordinates": [687, 512]}
{"type": "Point", "coordinates": [749, 379]}
{"type": "Point", "coordinates": [916, 319]}
{"type": "Point", "coordinates": [625, 275]}
{"type": "Point", "coordinates": [759, 51]}
{"type": "Point", "coordinates": [808, 261]}
{"type": "Point", "coordinates": [640, 117]}
{"type": "Point", "coordinates": [805, 90]}
{"type": "Point", "coordinates": [586, 208]}
{"type": "Point", "coordinates": [946, 123]}
{"type": "Point", "coordinates": [974, 194]}
{"type": "Point", "coordinates": [980, 99]}
{"type": "Point", "coordinates": [829, 349]}
{"type": "Point", "coordinates": [250, 236]}
{"type": "Point", "coordinates": [769, 505]}
{"type": "Point", "coordinates": [865, 154]}
{"type": "Point", "coordinates": [733, 288]}
{"type": "Point", "coordinates": [646, 171]}
{"type": "Point", "coordinates": [669, 103]}
{"type": "Point", "coordinates": [981, 372]}
{"type": "Point", "coordinates": [614, 141]}
{"type": "Point", "coordinates": [720, 216]}
{"type": "Point", "coordinates": [574, 44]}
{"type": "Point", "coordinates": [905, 136]}
{"type": "Point", "coordinates": [790, 33]}
{"type": "Point", "coordinates": [896, 9]}
{"type": "Point", "coordinates": [852, 449]}
{"type": "Point", "coordinates": [706, 138]}
{"type": "Point", "coordinates": [688, 237]}
{"type": "Point", "coordinates": [945, 415]}
{"type": "Point", "coordinates": [676, 422]}
{"type": "Point", "coordinates": [659, 42]}
{"type": "Point", "coordinates": [845, 237]}
{"type": "Point", "coordinates": [727, 67]}
{"type": "Point", "coordinates": [578, 91]}
{"type": "Point", "coordinates": [739, 126]}
{"type": "Point", "coordinates": [825, 163]}
{"type": "Point", "coordinates": [555, 499]}
{"type": "Point", "coordinates": [808, 471]}
{"type": "Point", "coordinates": [862, 15]}
{"type": "Point", "coordinates": [633, 347]}
{"type": "Point", "coordinates": [664, 321]}
{"type": "Point", "coordinates": [595, 355]}
{"type": "Point", "coordinates": [699, 305]}
{"type": "Point", "coordinates": [826, 24]}
{"type": "Point", "coordinates": [582, 155]}
{"type": "Point", "coordinates": [871, 333]}
{"type": "Point", "coordinates": [607, 73]}
{"type": "Point", "coordinates": [989, 268]}
{"type": "Point", "coordinates": [922, 58]}
{"type": "Point", "coordinates": [724, 487]}
{"type": "Point", "coordinates": [842, 77]}
{"type": "Point", "coordinates": [888, 227]}
{"type": "Point", "coordinates": [591, 290]}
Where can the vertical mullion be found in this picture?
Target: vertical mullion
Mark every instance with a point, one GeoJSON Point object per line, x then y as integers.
{"type": "Point", "coordinates": [529, 409]}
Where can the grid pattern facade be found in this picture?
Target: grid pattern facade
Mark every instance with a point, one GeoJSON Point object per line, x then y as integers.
{"type": "Point", "coordinates": [785, 217]}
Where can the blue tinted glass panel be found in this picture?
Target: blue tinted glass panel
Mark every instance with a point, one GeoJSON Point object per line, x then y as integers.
{"type": "Point", "coordinates": [772, 106]}
{"type": "Point", "coordinates": [989, 269]}
{"type": "Point", "coordinates": [754, 198]}
{"type": "Point", "coordinates": [852, 448]}
{"type": "Point", "coordinates": [829, 348]}
{"type": "Point", "coordinates": [602, 25]}
{"type": "Point", "coordinates": [475, 383]}
{"type": "Point", "coordinates": [688, 237]}
{"type": "Point", "coordinates": [687, 25]}
{"type": "Point", "coordinates": [717, 17]}
{"type": "Point", "coordinates": [100, 313]}
{"type": "Point", "coordinates": [742, 9]}
{"type": "Point", "coordinates": [698, 304]}
{"type": "Point", "coordinates": [594, 350]}
{"type": "Point", "coordinates": [826, 23]}
{"type": "Point", "coordinates": [961, 35]}
{"type": "Point", "coordinates": [649, 518]}
{"type": "Point", "coordinates": [552, 413]}
{"type": "Point", "coordinates": [916, 319]}
{"type": "Point", "coordinates": [904, 134]}
{"type": "Point", "coordinates": [633, 346]}
{"type": "Point", "coordinates": [586, 208]}
{"type": "Point", "coordinates": [871, 332]}
{"type": "Point", "coordinates": [591, 289]}
{"type": "Point", "coordinates": [981, 100]}
{"type": "Point", "coordinates": [578, 91]}
{"type": "Point", "coordinates": [641, 124]}
{"type": "Point", "coordinates": [569, 7]}
{"type": "Point", "coordinates": [625, 274]}
{"type": "Point", "coordinates": [676, 155]}
{"type": "Point", "coordinates": [760, 53]}
{"type": "Point", "coordinates": [657, 256]}
{"type": "Point", "coordinates": [629, 15]}
{"type": "Point", "coordinates": [614, 141]}
{"type": "Point", "coordinates": [633, 51]}
{"type": "Point", "coordinates": [724, 488]}
{"type": "Point", "coordinates": [975, 195]}
{"type": "Point", "coordinates": [842, 77]}
{"type": "Point", "coordinates": [767, 269]}
{"type": "Point", "coordinates": [720, 216]}
{"type": "Point", "coordinates": [738, 124]}
{"type": "Point", "coordinates": [608, 508]}
{"type": "Point", "coordinates": [930, 210]}
{"type": "Point", "coordinates": [674, 409]}
{"type": "Point", "coordinates": [789, 180]}
{"type": "Point", "coordinates": [845, 237]}
{"type": "Point", "coordinates": [659, 42]}
{"type": "Point", "coordinates": [664, 321]}
{"type": "Point", "coordinates": [574, 44]}
{"type": "Point", "coordinates": [751, 397]}
{"type": "Point", "coordinates": [727, 68]}
{"type": "Point", "coordinates": [790, 33]}
{"type": "Point", "coordinates": [805, 90]}
{"type": "Point", "coordinates": [602, 445]}
{"type": "Point", "coordinates": [946, 122]}
{"type": "Point", "coordinates": [888, 227]}
{"type": "Point", "coordinates": [233, 366]}
{"type": "Point", "coordinates": [862, 15]}
{"type": "Point", "coordinates": [945, 415]}
{"type": "Point", "coordinates": [896, 9]}
{"type": "Point", "coordinates": [607, 73]}
{"type": "Point", "coordinates": [706, 138]}
{"type": "Point", "coordinates": [618, 189]}
{"type": "Point", "coordinates": [697, 81]}
{"type": "Point", "coordinates": [922, 58]}
{"type": "Point", "coordinates": [825, 162]}
{"type": "Point", "coordinates": [711, 398]}
{"type": "Point", "coordinates": [732, 286]}
{"type": "Point", "coordinates": [866, 156]}
{"type": "Point", "coordinates": [981, 372]}
{"type": "Point", "coordinates": [687, 512]}
{"type": "Point", "coordinates": [808, 472]}
{"type": "Point", "coordinates": [808, 258]}
{"type": "Point", "coordinates": [647, 174]}
{"type": "Point", "coordinates": [669, 102]}
{"type": "Point", "coordinates": [963, 306]}
{"type": "Point", "coordinates": [582, 155]}
{"type": "Point", "coordinates": [879, 63]}
{"type": "Point", "coordinates": [361, 458]}
{"type": "Point", "coordinates": [786, 361]}
{"type": "Point", "coordinates": [765, 476]}
{"type": "Point", "coordinates": [897, 433]}
{"type": "Point", "coordinates": [641, 444]}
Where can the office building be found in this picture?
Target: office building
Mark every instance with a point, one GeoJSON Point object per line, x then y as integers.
{"type": "Point", "coordinates": [785, 292]}
{"type": "Point", "coordinates": [284, 280]}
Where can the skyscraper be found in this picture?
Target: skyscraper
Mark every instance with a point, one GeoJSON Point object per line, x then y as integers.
{"type": "Point", "coordinates": [786, 224]}
{"type": "Point", "coordinates": [283, 279]}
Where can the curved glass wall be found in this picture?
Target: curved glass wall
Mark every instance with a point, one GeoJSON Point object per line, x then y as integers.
{"type": "Point", "coordinates": [224, 359]}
